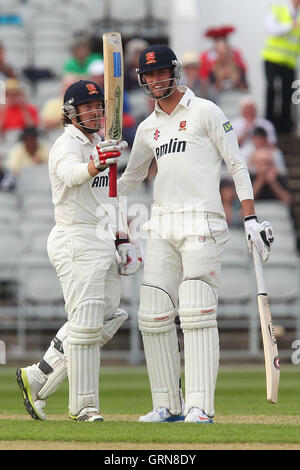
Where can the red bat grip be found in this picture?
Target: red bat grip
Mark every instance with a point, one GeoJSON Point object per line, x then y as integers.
{"type": "Point", "coordinates": [113, 180]}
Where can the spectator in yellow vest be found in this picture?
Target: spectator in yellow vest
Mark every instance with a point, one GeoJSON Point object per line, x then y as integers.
{"type": "Point", "coordinates": [280, 55]}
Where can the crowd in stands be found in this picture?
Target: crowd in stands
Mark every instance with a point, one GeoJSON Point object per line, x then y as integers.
{"type": "Point", "coordinates": [211, 74]}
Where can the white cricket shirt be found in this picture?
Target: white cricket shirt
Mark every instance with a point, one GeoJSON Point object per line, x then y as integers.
{"type": "Point", "coordinates": [189, 145]}
{"type": "Point", "coordinates": [78, 197]}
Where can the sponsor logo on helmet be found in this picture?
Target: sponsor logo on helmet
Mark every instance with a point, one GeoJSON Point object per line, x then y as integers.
{"type": "Point", "coordinates": [182, 126]}
{"type": "Point", "coordinates": [92, 89]}
{"type": "Point", "coordinates": [150, 58]}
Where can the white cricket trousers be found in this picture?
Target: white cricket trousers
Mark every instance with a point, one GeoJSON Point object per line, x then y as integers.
{"type": "Point", "coordinates": [86, 266]}
{"type": "Point", "coordinates": [182, 270]}
{"type": "Point", "coordinates": [87, 270]}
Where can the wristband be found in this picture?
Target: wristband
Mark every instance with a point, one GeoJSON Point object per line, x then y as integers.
{"type": "Point", "coordinates": [250, 217]}
{"type": "Point", "coordinates": [121, 237]}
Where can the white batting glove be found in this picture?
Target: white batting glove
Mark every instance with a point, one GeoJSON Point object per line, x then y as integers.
{"type": "Point", "coordinates": [130, 257]}
{"type": "Point", "coordinates": [261, 235]}
{"type": "Point", "coordinates": [107, 153]}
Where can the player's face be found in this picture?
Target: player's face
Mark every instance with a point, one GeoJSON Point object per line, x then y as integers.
{"type": "Point", "coordinates": [91, 115]}
{"type": "Point", "coordinates": [158, 81]}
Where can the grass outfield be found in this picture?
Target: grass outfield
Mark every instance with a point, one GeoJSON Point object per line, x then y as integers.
{"type": "Point", "coordinates": [244, 419]}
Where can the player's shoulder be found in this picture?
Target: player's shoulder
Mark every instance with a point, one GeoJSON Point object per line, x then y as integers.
{"type": "Point", "coordinates": [206, 106]}
{"type": "Point", "coordinates": [147, 123]}
{"type": "Point", "coordinates": [64, 141]}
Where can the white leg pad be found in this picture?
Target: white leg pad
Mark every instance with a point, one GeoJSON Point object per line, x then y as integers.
{"type": "Point", "coordinates": [56, 355]}
{"type": "Point", "coordinates": [56, 360]}
{"type": "Point", "coordinates": [156, 322]}
{"type": "Point", "coordinates": [84, 334]}
{"type": "Point", "coordinates": [111, 326]}
{"type": "Point", "coordinates": [197, 310]}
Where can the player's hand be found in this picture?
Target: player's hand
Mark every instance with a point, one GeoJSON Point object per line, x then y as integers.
{"type": "Point", "coordinates": [261, 235]}
{"type": "Point", "coordinates": [130, 257]}
{"type": "Point", "coordinates": [107, 153]}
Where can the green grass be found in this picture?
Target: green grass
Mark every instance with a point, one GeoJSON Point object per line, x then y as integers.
{"type": "Point", "coordinates": [125, 391]}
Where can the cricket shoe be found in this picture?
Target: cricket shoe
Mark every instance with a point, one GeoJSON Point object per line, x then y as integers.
{"type": "Point", "coordinates": [160, 415]}
{"type": "Point", "coordinates": [88, 414]}
{"type": "Point", "coordinates": [196, 415]}
{"type": "Point", "coordinates": [30, 385]}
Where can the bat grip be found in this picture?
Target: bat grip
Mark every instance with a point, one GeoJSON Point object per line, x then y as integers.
{"type": "Point", "coordinates": [258, 271]}
{"type": "Point", "coordinates": [113, 180]}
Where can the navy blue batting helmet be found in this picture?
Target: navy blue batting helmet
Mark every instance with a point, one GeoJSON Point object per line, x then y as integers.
{"type": "Point", "coordinates": [156, 57]}
{"type": "Point", "coordinates": [81, 92]}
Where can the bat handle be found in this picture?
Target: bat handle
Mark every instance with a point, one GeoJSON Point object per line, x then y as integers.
{"type": "Point", "coordinates": [258, 271]}
{"type": "Point", "coordinates": [113, 180]}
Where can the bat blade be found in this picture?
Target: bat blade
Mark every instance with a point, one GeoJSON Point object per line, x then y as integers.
{"type": "Point", "coordinates": [270, 348]}
{"type": "Point", "coordinates": [113, 95]}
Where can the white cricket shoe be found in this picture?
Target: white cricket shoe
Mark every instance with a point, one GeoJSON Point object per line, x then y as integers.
{"type": "Point", "coordinates": [30, 383]}
{"type": "Point", "coordinates": [160, 415]}
{"type": "Point", "coordinates": [88, 414]}
{"type": "Point", "coordinates": [196, 415]}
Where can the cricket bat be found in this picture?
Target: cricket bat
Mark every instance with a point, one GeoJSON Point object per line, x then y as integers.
{"type": "Point", "coordinates": [272, 366]}
{"type": "Point", "coordinates": [113, 95]}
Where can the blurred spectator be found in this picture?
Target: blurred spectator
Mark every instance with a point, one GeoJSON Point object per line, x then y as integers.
{"type": "Point", "coordinates": [30, 151]}
{"type": "Point", "coordinates": [17, 113]}
{"type": "Point", "coordinates": [52, 109]}
{"type": "Point", "coordinates": [267, 183]}
{"type": "Point", "coordinates": [230, 202]}
{"type": "Point", "coordinates": [190, 75]}
{"type": "Point", "coordinates": [280, 55]}
{"type": "Point", "coordinates": [131, 59]}
{"type": "Point", "coordinates": [95, 72]}
{"type": "Point", "coordinates": [225, 73]}
{"type": "Point", "coordinates": [260, 142]}
{"type": "Point", "coordinates": [6, 71]}
{"type": "Point", "coordinates": [220, 35]}
{"type": "Point", "coordinates": [7, 181]}
{"type": "Point", "coordinates": [248, 120]}
{"type": "Point", "coordinates": [82, 56]}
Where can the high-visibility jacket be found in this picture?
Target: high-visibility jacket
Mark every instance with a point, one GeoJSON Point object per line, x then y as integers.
{"type": "Point", "coordinates": [283, 49]}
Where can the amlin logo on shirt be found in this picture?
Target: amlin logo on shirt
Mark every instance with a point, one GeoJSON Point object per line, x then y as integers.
{"type": "Point", "coordinates": [173, 146]}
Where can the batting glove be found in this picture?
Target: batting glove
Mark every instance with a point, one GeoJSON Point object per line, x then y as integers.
{"type": "Point", "coordinates": [107, 153]}
{"type": "Point", "coordinates": [130, 256]}
{"type": "Point", "coordinates": [261, 235]}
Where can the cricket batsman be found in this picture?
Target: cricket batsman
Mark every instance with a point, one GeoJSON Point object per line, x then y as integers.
{"type": "Point", "coordinates": [189, 137]}
{"type": "Point", "coordinates": [82, 248]}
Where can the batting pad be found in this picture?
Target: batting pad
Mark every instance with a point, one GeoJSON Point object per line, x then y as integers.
{"type": "Point", "coordinates": [197, 301]}
{"type": "Point", "coordinates": [156, 322]}
{"type": "Point", "coordinates": [84, 355]}
{"type": "Point", "coordinates": [112, 325]}
{"type": "Point", "coordinates": [54, 356]}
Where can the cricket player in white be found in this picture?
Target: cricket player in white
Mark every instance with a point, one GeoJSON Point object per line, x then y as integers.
{"type": "Point", "coordinates": [81, 247]}
{"type": "Point", "coordinates": [187, 232]}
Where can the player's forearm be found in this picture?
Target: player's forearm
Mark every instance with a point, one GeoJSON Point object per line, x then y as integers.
{"type": "Point", "coordinates": [248, 207]}
{"type": "Point", "coordinates": [74, 175]}
{"type": "Point", "coordinates": [242, 181]}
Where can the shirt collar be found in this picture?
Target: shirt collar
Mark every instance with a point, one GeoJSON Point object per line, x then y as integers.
{"type": "Point", "coordinates": [185, 101]}
{"type": "Point", "coordinates": [79, 135]}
